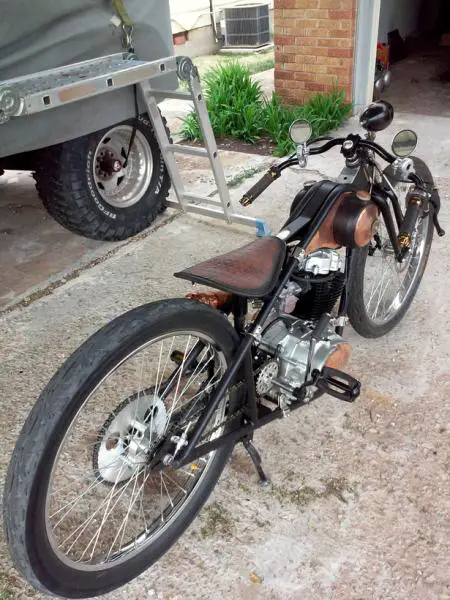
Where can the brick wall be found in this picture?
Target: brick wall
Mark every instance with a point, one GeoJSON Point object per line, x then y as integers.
{"type": "Point", "coordinates": [314, 42]}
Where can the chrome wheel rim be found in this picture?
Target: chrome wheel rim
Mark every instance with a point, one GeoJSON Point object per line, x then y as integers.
{"type": "Point", "coordinates": [97, 516]}
{"type": "Point", "coordinates": [388, 284]}
{"type": "Point", "coordinates": [122, 185]}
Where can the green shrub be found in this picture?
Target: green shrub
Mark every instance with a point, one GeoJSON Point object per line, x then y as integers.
{"type": "Point", "coordinates": [324, 112]}
{"type": "Point", "coordinates": [234, 104]}
{"type": "Point", "coordinates": [238, 109]}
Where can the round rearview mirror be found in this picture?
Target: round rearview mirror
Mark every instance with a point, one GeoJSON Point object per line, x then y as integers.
{"type": "Point", "coordinates": [404, 143]}
{"type": "Point", "coordinates": [300, 131]}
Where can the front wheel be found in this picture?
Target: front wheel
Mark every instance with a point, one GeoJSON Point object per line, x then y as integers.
{"type": "Point", "coordinates": [380, 288]}
{"type": "Point", "coordinates": [84, 512]}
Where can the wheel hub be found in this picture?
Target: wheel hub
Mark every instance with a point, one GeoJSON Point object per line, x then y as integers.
{"type": "Point", "coordinates": [122, 172]}
{"type": "Point", "coordinates": [107, 164]}
{"type": "Point", "coordinates": [127, 436]}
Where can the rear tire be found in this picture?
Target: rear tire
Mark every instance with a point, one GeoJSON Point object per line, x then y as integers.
{"type": "Point", "coordinates": [30, 473]}
{"type": "Point", "coordinates": [69, 181]}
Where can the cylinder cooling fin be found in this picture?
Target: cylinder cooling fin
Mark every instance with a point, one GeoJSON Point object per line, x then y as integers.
{"type": "Point", "coordinates": [321, 297]}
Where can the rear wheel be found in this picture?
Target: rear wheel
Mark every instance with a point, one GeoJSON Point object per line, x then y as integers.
{"type": "Point", "coordinates": [380, 288]}
{"type": "Point", "coordinates": [101, 187]}
{"type": "Point", "coordinates": [84, 512]}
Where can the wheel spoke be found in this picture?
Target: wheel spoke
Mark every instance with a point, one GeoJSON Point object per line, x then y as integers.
{"type": "Point", "coordinates": [175, 399]}
{"type": "Point", "coordinates": [134, 497]}
{"type": "Point", "coordinates": [176, 483]}
{"type": "Point", "coordinates": [81, 528]}
{"type": "Point", "coordinates": [106, 514]}
{"type": "Point", "coordinates": [381, 292]}
{"type": "Point", "coordinates": [167, 491]}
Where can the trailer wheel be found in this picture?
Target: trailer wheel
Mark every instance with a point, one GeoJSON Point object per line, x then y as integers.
{"type": "Point", "coordinates": [89, 187]}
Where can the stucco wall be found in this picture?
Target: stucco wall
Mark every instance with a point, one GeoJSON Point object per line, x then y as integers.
{"type": "Point", "coordinates": [192, 14]}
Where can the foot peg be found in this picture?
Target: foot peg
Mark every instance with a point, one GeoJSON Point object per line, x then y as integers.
{"type": "Point", "coordinates": [338, 384]}
{"type": "Point", "coordinates": [257, 462]}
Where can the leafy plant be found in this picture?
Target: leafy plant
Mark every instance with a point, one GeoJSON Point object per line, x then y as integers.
{"type": "Point", "coordinates": [324, 112]}
{"type": "Point", "coordinates": [234, 104]}
{"type": "Point", "coordinates": [238, 109]}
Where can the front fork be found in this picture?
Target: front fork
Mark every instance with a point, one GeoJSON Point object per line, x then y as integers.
{"type": "Point", "coordinates": [417, 200]}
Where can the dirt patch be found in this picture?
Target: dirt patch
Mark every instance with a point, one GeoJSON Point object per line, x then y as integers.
{"type": "Point", "coordinates": [217, 521]}
{"type": "Point", "coordinates": [241, 464]}
{"type": "Point", "coordinates": [338, 487]}
{"type": "Point", "coordinates": [263, 147]}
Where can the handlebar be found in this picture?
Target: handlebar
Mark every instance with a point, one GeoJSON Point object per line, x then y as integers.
{"type": "Point", "coordinates": [384, 154]}
{"type": "Point", "coordinates": [275, 171]}
{"type": "Point", "coordinates": [261, 185]}
{"type": "Point", "coordinates": [331, 144]}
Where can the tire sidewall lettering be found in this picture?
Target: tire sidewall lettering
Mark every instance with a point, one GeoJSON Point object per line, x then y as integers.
{"type": "Point", "coordinates": [161, 165]}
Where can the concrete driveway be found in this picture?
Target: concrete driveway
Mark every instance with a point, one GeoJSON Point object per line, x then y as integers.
{"type": "Point", "coordinates": [359, 507]}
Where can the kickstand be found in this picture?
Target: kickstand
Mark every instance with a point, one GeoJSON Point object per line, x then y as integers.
{"type": "Point", "coordinates": [256, 460]}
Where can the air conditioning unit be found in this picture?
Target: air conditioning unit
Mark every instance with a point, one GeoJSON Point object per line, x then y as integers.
{"type": "Point", "coordinates": [246, 26]}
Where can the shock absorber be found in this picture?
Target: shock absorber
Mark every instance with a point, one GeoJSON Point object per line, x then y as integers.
{"type": "Point", "coordinates": [416, 200]}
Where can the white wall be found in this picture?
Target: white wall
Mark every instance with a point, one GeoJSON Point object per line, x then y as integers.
{"type": "Point", "coordinates": [398, 14]}
{"type": "Point", "coordinates": [367, 19]}
{"type": "Point", "coordinates": [190, 14]}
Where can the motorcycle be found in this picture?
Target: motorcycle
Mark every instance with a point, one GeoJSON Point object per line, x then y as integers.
{"type": "Point", "coordinates": [127, 441]}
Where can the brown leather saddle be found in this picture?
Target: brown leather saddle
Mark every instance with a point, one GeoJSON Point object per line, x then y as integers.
{"type": "Point", "coordinates": [250, 271]}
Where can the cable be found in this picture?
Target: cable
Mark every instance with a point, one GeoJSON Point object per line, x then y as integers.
{"type": "Point", "coordinates": [133, 132]}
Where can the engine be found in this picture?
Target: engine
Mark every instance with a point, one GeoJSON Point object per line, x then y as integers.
{"type": "Point", "coordinates": [287, 350]}
{"type": "Point", "coordinates": [323, 286]}
{"type": "Point", "coordinates": [288, 342]}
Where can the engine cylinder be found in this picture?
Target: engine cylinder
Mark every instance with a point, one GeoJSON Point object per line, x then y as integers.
{"type": "Point", "coordinates": [320, 298]}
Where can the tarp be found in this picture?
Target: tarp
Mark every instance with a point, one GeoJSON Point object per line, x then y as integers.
{"type": "Point", "coordinates": [42, 34]}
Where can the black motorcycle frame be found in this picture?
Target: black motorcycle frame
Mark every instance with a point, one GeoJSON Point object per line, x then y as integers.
{"type": "Point", "coordinates": [240, 374]}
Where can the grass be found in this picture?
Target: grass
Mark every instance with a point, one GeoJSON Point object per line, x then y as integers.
{"type": "Point", "coordinates": [338, 487]}
{"type": "Point", "coordinates": [245, 174]}
{"type": "Point", "coordinates": [237, 108]}
{"type": "Point", "coordinates": [216, 521]}
{"type": "Point", "coordinates": [255, 62]}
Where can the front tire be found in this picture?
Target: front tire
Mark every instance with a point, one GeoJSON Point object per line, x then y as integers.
{"type": "Point", "coordinates": [89, 188]}
{"type": "Point", "coordinates": [48, 450]}
{"type": "Point", "coordinates": [364, 299]}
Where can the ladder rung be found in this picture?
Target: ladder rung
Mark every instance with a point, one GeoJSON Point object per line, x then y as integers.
{"type": "Point", "coordinates": [219, 214]}
{"type": "Point", "coordinates": [171, 94]}
{"type": "Point", "coordinates": [192, 150]}
{"type": "Point", "coordinates": [190, 197]}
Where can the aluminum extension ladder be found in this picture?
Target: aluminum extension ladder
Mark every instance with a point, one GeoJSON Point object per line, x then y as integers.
{"type": "Point", "coordinates": [48, 89]}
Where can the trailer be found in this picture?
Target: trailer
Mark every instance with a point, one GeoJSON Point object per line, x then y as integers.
{"type": "Point", "coordinates": [80, 83]}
